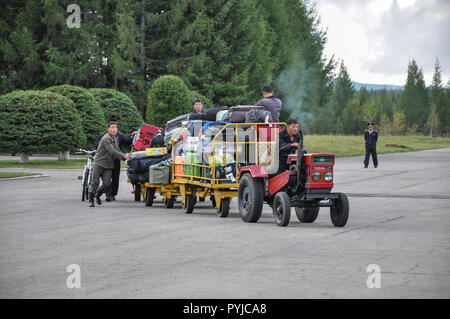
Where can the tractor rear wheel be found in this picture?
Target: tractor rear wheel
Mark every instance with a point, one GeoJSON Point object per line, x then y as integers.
{"type": "Point", "coordinates": [282, 209]}
{"type": "Point", "coordinates": [339, 210]}
{"type": "Point", "coordinates": [307, 215]}
{"type": "Point", "coordinates": [250, 198]}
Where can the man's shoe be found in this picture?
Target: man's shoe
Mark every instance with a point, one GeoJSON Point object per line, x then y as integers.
{"type": "Point", "coordinates": [376, 166]}
{"type": "Point", "coordinates": [97, 198]}
{"type": "Point", "coordinates": [365, 166]}
{"type": "Point", "coordinates": [113, 197]}
{"type": "Point", "coordinates": [91, 200]}
{"type": "Point", "coordinates": [108, 198]}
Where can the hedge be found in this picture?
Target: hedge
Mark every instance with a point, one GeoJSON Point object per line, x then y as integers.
{"type": "Point", "coordinates": [117, 105]}
{"type": "Point", "coordinates": [92, 116]}
{"type": "Point", "coordinates": [168, 98]}
{"type": "Point", "coordinates": [39, 122]}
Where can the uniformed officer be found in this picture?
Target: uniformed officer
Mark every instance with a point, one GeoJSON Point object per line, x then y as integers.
{"type": "Point", "coordinates": [371, 137]}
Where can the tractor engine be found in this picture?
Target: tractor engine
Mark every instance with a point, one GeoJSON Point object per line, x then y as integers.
{"type": "Point", "coordinates": [315, 172]}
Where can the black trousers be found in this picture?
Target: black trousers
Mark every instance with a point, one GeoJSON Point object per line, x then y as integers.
{"type": "Point", "coordinates": [371, 151]}
{"type": "Point", "coordinates": [114, 188]}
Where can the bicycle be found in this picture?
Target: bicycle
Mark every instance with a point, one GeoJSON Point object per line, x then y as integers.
{"type": "Point", "coordinates": [87, 173]}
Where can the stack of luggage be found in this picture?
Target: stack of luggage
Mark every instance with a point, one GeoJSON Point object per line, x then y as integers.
{"type": "Point", "coordinates": [151, 161]}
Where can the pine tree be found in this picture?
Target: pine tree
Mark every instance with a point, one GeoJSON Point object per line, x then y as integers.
{"type": "Point", "coordinates": [344, 91]}
{"type": "Point", "coordinates": [442, 107]}
{"type": "Point", "coordinates": [414, 100]}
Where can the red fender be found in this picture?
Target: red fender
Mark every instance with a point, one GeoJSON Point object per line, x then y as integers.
{"type": "Point", "coordinates": [257, 171]}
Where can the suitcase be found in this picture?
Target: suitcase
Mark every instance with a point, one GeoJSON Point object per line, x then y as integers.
{"type": "Point", "coordinates": [179, 167]}
{"type": "Point", "coordinates": [237, 114]}
{"type": "Point", "coordinates": [159, 173]}
{"type": "Point", "coordinates": [197, 117]}
{"type": "Point", "coordinates": [176, 122]}
{"type": "Point", "coordinates": [222, 115]}
{"type": "Point", "coordinates": [211, 114]}
{"type": "Point", "coordinates": [146, 134]}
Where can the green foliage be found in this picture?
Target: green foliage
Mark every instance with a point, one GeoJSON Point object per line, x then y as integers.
{"type": "Point", "coordinates": [117, 105]}
{"type": "Point", "coordinates": [352, 118]}
{"type": "Point", "coordinates": [39, 122]}
{"type": "Point", "coordinates": [168, 97]}
{"type": "Point", "coordinates": [344, 90]}
{"type": "Point", "coordinates": [414, 101]}
{"type": "Point", "coordinates": [92, 116]}
{"type": "Point", "coordinates": [207, 103]}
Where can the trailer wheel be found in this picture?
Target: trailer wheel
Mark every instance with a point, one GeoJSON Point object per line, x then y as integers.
{"type": "Point", "coordinates": [169, 203]}
{"type": "Point", "coordinates": [307, 215]}
{"type": "Point", "coordinates": [201, 199]}
{"type": "Point", "coordinates": [188, 207]}
{"type": "Point", "coordinates": [282, 209]}
{"type": "Point", "coordinates": [250, 198]}
{"type": "Point", "coordinates": [149, 196]}
{"type": "Point", "coordinates": [339, 210]}
{"type": "Point", "coordinates": [213, 201]}
{"type": "Point", "coordinates": [137, 192]}
{"type": "Point", "coordinates": [224, 208]}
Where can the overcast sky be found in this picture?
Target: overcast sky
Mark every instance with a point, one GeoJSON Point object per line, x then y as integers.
{"type": "Point", "coordinates": [377, 38]}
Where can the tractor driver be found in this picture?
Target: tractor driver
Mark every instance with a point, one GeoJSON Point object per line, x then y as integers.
{"type": "Point", "coordinates": [289, 142]}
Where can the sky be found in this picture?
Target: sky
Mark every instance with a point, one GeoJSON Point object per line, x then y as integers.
{"type": "Point", "coordinates": [377, 38]}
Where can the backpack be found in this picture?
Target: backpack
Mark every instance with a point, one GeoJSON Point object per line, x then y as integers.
{"type": "Point", "coordinates": [258, 116]}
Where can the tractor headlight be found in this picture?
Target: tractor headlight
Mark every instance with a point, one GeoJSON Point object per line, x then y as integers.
{"type": "Point", "coordinates": [328, 176]}
{"type": "Point", "coordinates": [316, 176]}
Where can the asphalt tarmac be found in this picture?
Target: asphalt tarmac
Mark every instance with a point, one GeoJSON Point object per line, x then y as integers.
{"type": "Point", "coordinates": [399, 222]}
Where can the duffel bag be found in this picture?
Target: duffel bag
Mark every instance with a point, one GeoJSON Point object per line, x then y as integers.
{"type": "Point", "coordinates": [135, 177]}
{"type": "Point", "coordinates": [197, 117]}
{"type": "Point", "coordinates": [176, 122]}
{"type": "Point", "coordinates": [237, 113]}
{"type": "Point", "coordinates": [141, 162]}
{"type": "Point", "coordinates": [159, 173]}
{"type": "Point", "coordinates": [258, 116]}
{"type": "Point", "coordinates": [211, 114]}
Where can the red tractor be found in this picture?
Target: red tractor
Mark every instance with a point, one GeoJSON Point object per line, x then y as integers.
{"type": "Point", "coordinates": [306, 185]}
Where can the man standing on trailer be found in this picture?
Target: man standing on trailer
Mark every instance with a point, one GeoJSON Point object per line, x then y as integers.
{"type": "Point", "coordinates": [371, 138]}
{"type": "Point", "coordinates": [270, 103]}
{"type": "Point", "coordinates": [198, 107]}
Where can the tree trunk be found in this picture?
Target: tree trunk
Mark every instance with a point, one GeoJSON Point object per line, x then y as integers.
{"type": "Point", "coordinates": [24, 158]}
{"type": "Point", "coordinates": [63, 155]}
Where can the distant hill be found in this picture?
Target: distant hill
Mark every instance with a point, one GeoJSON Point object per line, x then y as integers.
{"type": "Point", "coordinates": [369, 87]}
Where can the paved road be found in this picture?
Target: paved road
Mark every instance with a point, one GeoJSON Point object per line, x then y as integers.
{"type": "Point", "coordinates": [399, 220]}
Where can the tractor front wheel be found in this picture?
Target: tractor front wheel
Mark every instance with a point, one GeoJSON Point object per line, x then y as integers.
{"type": "Point", "coordinates": [282, 209]}
{"type": "Point", "coordinates": [339, 210]}
{"type": "Point", "coordinates": [307, 215]}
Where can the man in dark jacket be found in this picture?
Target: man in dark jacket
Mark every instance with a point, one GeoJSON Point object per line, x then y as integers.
{"type": "Point", "coordinates": [112, 191]}
{"type": "Point", "coordinates": [289, 142]}
{"type": "Point", "coordinates": [198, 107]}
{"type": "Point", "coordinates": [371, 138]}
{"type": "Point", "coordinates": [107, 151]}
{"type": "Point", "coordinates": [270, 103]}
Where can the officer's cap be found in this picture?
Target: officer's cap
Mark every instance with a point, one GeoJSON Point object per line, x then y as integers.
{"type": "Point", "coordinates": [370, 123]}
